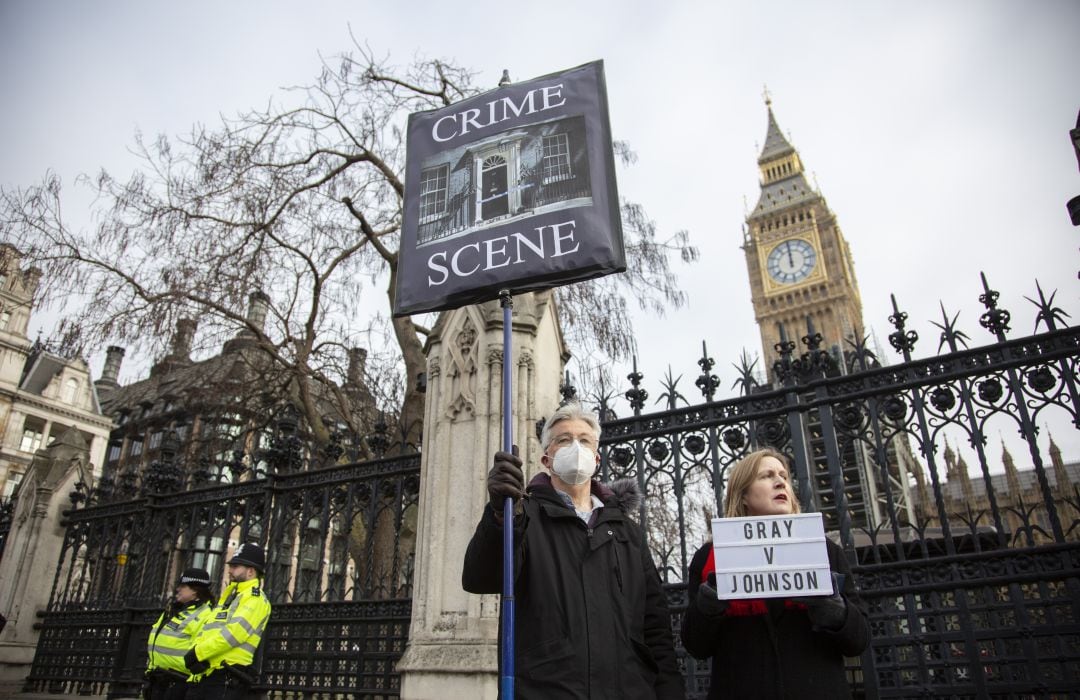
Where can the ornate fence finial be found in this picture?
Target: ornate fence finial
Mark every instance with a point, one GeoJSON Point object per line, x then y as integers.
{"type": "Point", "coordinates": [671, 393]}
{"type": "Point", "coordinates": [902, 340]}
{"type": "Point", "coordinates": [104, 490]}
{"type": "Point", "coordinates": [707, 382]}
{"type": "Point", "coordinates": [949, 334]}
{"type": "Point", "coordinates": [129, 485]}
{"type": "Point", "coordinates": [814, 362]}
{"type": "Point", "coordinates": [636, 396]}
{"type": "Point", "coordinates": [994, 320]}
{"type": "Point", "coordinates": [164, 476]}
{"type": "Point", "coordinates": [567, 390]}
{"type": "Point", "coordinates": [745, 368]}
{"type": "Point", "coordinates": [782, 367]}
{"type": "Point", "coordinates": [812, 339]}
{"type": "Point", "coordinates": [1049, 315]}
{"type": "Point", "coordinates": [201, 475]}
{"type": "Point", "coordinates": [603, 398]}
{"type": "Point", "coordinates": [80, 494]}
{"type": "Point", "coordinates": [861, 354]}
{"type": "Point", "coordinates": [379, 440]}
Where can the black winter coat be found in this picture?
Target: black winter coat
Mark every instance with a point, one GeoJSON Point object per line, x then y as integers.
{"type": "Point", "coordinates": [591, 618]}
{"type": "Point", "coordinates": [769, 648]}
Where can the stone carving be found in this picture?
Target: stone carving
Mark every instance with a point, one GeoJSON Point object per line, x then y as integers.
{"type": "Point", "coordinates": [462, 370]}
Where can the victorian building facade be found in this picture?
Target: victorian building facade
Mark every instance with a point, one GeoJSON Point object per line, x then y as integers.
{"type": "Point", "coordinates": [44, 391]}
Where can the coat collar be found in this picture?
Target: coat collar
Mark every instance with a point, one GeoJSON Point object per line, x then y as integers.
{"type": "Point", "coordinates": [541, 486]}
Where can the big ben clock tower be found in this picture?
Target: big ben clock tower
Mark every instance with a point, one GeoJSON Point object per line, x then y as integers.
{"type": "Point", "coordinates": [799, 263]}
{"type": "Point", "coordinates": [800, 268]}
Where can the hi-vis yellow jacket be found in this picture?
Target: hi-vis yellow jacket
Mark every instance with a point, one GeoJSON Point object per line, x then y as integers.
{"type": "Point", "coordinates": [171, 638]}
{"type": "Point", "coordinates": [233, 633]}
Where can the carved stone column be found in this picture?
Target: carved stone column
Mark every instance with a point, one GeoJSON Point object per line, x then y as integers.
{"type": "Point", "coordinates": [33, 546]}
{"type": "Point", "coordinates": [453, 649]}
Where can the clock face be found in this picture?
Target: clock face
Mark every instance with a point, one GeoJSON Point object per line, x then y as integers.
{"type": "Point", "coordinates": [791, 261]}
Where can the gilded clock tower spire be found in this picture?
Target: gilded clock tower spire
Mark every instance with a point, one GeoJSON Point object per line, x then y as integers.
{"type": "Point", "coordinates": [799, 263]}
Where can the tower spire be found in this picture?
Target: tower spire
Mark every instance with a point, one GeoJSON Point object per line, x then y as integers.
{"type": "Point", "coordinates": [776, 144]}
{"type": "Point", "coordinates": [1011, 474]}
{"type": "Point", "coordinates": [1060, 477]}
{"type": "Point", "coordinates": [950, 459]}
{"type": "Point", "coordinates": [965, 478]}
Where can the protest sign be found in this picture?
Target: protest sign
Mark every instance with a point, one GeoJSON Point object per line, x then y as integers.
{"type": "Point", "coordinates": [776, 556]}
{"type": "Point", "coordinates": [512, 189]}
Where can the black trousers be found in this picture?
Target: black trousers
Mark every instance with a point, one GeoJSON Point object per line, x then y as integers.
{"type": "Point", "coordinates": [216, 686]}
{"type": "Point", "coordinates": [166, 690]}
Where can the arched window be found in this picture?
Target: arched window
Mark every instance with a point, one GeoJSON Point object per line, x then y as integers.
{"type": "Point", "coordinates": [71, 391]}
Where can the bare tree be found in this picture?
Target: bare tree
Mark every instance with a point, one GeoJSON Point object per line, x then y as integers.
{"type": "Point", "coordinates": [301, 200]}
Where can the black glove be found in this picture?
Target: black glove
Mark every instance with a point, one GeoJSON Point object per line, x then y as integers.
{"type": "Point", "coordinates": [193, 664]}
{"type": "Point", "coordinates": [826, 612]}
{"type": "Point", "coordinates": [707, 602]}
{"type": "Point", "coordinates": [505, 480]}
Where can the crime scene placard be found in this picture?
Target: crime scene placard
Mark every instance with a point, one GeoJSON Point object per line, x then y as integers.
{"type": "Point", "coordinates": [512, 189]}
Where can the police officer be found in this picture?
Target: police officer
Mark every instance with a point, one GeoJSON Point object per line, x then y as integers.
{"type": "Point", "coordinates": [221, 661]}
{"type": "Point", "coordinates": [174, 633]}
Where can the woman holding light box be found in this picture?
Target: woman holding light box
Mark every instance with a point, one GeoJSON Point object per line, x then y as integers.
{"type": "Point", "coordinates": [776, 647]}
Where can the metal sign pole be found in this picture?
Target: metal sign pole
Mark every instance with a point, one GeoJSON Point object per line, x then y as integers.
{"type": "Point", "coordinates": [507, 680]}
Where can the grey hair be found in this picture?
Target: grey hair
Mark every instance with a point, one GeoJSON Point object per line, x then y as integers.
{"type": "Point", "coordinates": [570, 411]}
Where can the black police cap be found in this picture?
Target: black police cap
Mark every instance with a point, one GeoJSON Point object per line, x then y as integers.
{"type": "Point", "coordinates": [194, 577]}
{"type": "Point", "coordinates": [250, 554]}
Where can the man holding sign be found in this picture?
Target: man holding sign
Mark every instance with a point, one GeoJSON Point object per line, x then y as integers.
{"type": "Point", "coordinates": [593, 620]}
{"type": "Point", "coordinates": [773, 602]}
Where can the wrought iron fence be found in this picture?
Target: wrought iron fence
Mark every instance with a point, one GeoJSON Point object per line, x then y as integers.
{"type": "Point", "coordinates": [972, 591]}
{"type": "Point", "coordinates": [339, 541]}
{"type": "Point", "coordinates": [971, 577]}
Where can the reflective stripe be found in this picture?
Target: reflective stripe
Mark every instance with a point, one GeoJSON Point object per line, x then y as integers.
{"type": "Point", "coordinates": [170, 639]}
{"type": "Point", "coordinates": [165, 651]}
{"type": "Point", "coordinates": [245, 624]}
{"type": "Point", "coordinates": [233, 641]}
{"type": "Point", "coordinates": [234, 635]}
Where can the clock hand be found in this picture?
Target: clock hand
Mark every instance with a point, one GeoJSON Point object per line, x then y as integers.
{"type": "Point", "coordinates": [791, 260]}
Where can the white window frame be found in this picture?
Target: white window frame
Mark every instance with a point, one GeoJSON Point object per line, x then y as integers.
{"type": "Point", "coordinates": [556, 162]}
{"type": "Point", "coordinates": [434, 200]}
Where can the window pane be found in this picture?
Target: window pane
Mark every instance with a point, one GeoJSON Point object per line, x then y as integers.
{"type": "Point", "coordinates": [557, 157]}
{"type": "Point", "coordinates": [433, 186]}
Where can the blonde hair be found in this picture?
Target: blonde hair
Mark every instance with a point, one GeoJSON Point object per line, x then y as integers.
{"type": "Point", "coordinates": [743, 475]}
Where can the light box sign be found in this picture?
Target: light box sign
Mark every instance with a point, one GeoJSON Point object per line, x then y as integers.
{"type": "Point", "coordinates": [512, 189]}
{"type": "Point", "coordinates": [776, 556]}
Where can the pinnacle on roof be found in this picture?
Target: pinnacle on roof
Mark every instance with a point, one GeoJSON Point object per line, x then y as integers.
{"type": "Point", "coordinates": [1061, 477]}
{"type": "Point", "coordinates": [1011, 475]}
{"type": "Point", "coordinates": [950, 457]}
{"type": "Point", "coordinates": [776, 144]}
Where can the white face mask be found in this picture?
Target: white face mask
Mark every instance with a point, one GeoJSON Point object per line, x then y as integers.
{"type": "Point", "coordinates": [574, 464]}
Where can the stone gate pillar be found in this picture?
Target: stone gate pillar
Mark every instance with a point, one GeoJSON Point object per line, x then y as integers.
{"type": "Point", "coordinates": [453, 649]}
{"type": "Point", "coordinates": [32, 551]}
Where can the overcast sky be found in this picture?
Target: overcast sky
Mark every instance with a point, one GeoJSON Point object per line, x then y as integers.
{"type": "Point", "coordinates": [937, 131]}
